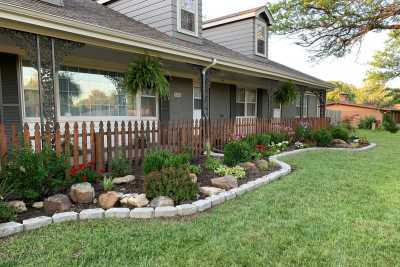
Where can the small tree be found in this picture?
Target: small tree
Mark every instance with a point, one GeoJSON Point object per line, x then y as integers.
{"type": "Point", "coordinates": [147, 73]}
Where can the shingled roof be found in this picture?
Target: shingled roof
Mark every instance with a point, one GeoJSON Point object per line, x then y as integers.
{"type": "Point", "coordinates": [90, 12]}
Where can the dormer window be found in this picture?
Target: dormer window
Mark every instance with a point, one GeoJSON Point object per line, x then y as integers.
{"type": "Point", "coordinates": [261, 39]}
{"type": "Point", "coordinates": [188, 16]}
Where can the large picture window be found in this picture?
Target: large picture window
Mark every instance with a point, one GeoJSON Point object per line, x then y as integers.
{"type": "Point", "coordinates": [246, 102]}
{"type": "Point", "coordinates": [92, 93]}
{"type": "Point", "coordinates": [188, 16]}
{"type": "Point", "coordinates": [261, 39]}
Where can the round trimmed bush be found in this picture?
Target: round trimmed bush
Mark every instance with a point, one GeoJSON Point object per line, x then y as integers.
{"type": "Point", "coordinates": [237, 152]}
{"type": "Point", "coordinates": [322, 137]}
{"type": "Point", "coordinates": [175, 183]}
{"type": "Point", "coordinates": [340, 132]}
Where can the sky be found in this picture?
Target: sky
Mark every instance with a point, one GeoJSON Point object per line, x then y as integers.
{"type": "Point", "coordinates": [350, 69]}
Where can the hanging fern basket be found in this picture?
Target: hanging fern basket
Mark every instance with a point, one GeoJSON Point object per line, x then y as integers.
{"type": "Point", "coordinates": [147, 74]}
{"type": "Point", "coordinates": [286, 94]}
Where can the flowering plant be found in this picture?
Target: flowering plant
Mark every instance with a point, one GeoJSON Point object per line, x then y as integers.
{"type": "Point", "coordinates": [84, 172]}
{"type": "Point", "coordinates": [260, 148]}
{"type": "Point", "coordinates": [237, 137]}
{"type": "Point", "coordinates": [299, 145]}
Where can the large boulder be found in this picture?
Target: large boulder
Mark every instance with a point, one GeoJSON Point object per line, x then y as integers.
{"type": "Point", "coordinates": [227, 182]}
{"type": "Point", "coordinates": [124, 180]}
{"type": "Point", "coordinates": [82, 193]}
{"type": "Point", "coordinates": [109, 199]}
{"type": "Point", "coordinates": [340, 143]}
{"type": "Point", "coordinates": [18, 206]}
{"type": "Point", "coordinates": [262, 165]}
{"type": "Point", "coordinates": [248, 165]}
{"type": "Point", "coordinates": [57, 203]}
{"type": "Point", "coordinates": [210, 191]}
{"type": "Point", "coordinates": [162, 202]}
{"type": "Point", "coordinates": [134, 201]}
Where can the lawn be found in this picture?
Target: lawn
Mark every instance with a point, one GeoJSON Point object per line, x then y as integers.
{"type": "Point", "coordinates": [336, 209]}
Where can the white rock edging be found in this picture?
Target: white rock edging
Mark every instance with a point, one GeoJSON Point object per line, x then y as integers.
{"type": "Point", "coordinates": [11, 228]}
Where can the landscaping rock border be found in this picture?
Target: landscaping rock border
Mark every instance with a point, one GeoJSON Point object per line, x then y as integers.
{"type": "Point", "coordinates": [11, 228]}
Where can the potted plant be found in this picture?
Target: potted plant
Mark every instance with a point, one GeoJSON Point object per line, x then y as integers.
{"type": "Point", "coordinates": [147, 74]}
{"type": "Point", "coordinates": [286, 94]}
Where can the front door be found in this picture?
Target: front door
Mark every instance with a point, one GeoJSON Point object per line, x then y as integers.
{"type": "Point", "coordinates": [10, 112]}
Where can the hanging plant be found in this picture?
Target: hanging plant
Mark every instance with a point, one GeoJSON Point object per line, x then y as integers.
{"type": "Point", "coordinates": [286, 94]}
{"type": "Point", "coordinates": [148, 74]}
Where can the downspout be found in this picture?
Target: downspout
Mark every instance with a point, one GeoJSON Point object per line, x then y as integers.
{"type": "Point", "coordinates": [204, 114]}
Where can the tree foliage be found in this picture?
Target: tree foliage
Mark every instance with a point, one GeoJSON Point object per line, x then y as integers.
{"type": "Point", "coordinates": [333, 27]}
{"type": "Point", "coordinates": [147, 74]}
{"type": "Point", "coordinates": [341, 87]}
{"type": "Point", "coordinates": [386, 63]}
{"type": "Point", "coordinates": [375, 92]}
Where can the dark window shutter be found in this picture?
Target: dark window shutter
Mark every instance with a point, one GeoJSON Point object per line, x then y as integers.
{"type": "Point", "coordinates": [260, 99]}
{"type": "Point", "coordinates": [233, 101]}
{"type": "Point", "coordinates": [164, 110]}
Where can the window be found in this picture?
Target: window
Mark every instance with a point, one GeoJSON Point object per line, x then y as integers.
{"type": "Point", "coordinates": [261, 39]}
{"type": "Point", "coordinates": [92, 93]}
{"type": "Point", "coordinates": [31, 91]}
{"type": "Point", "coordinates": [298, 106]}
{"type": "Point", "coordinates": [148, 104]}
{"type": "Point", "coordinates": [246, 103]}
{"type": "Point", "coordinates": [196, 102]}
{"type": "Point", "coordinates": [306, 101]}
{"type": "Point", "coordinates": [188, 16]}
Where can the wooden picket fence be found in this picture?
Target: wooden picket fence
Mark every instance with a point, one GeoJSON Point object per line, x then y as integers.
{"type": "Point", "coordinates": [99, 144]}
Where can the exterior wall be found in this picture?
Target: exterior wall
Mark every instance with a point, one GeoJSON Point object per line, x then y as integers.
{"type": "Point", "coordinates": [159, 14]}
{"type": "Point", "coordinates": [238, 36]}
{"type": "Point", "coordinates": [155, 13]}
{"type": "Point", "coordinates": [219, 101]}
{"type": "Point", "coordinates": [355, 114]}
{"type": "Point", "coordinates": [181, 99]}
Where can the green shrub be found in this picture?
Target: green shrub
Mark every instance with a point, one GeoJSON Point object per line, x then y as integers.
{"type": "Point", "coordinates": [175, 183]}
{"type": "Point", "coordinates": [302, 133]}
{"type": "Point", "coordinates": [322, 137]}
{"type": "Point", "coordinates": [212, 163]}
{"type": "Point", "coordinates": [160, 159]}
{"type": "Point", "coordinates": [258, 139]}
{"type": "Point", "coordinates": [339, 132]}
{"type": "Point", "coordinates": [194, 169]}
{"type": "Point", "coordinates": [237, 171]}
{"type": "Point", "coordinates": [237, 152]}
{"type": "Point", "coordinates": [120, 165]}
{"type": "Point", "coordinates": [108, 184]}
{"type": "Point", "coordinates": [279, 137]}
{"type": "Point", "coordinates": [6, 213]}
{"type": "Point", "coordinates": [35, 175]}
{"type": "Point", "coordinates": [388, 124]}
{"type": "Point", "coordinates": [366, 123]}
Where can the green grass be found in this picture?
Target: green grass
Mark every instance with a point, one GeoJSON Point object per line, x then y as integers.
{"type": "Point", "coordinates": [336, 209]}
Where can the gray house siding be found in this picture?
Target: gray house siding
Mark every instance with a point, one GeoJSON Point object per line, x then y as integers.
{"type": "Point", "coordinates": [155, 13]}
{"type": "Point", "coordinates": [219, 101]}
{"type": "Point", "coordinates": [159, 14]}
{"type": "Point", "coordinates": [181, 99]}
{"type": "Point", "coordinates": [238, 36]}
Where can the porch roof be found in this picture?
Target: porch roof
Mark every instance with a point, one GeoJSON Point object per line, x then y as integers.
{"type": "Point", "coordinates": [87, 14]}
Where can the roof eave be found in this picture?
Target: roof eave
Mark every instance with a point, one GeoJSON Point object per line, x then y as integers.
{"type": "Point", "coordinates": [52, 22]}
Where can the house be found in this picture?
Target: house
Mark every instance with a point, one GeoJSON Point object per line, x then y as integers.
{"type": "Point", "coordinates": [82, 48]}
{"type": "Point", "coordinates": [354, 113]}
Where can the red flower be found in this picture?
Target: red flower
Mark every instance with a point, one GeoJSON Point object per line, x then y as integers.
{"type": "Point", "coordinates": [260, 148]}
{"type": "Point", "coordinates": [84, 178]}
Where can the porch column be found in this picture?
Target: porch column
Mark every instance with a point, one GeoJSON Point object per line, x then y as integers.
{"type": "Point", "coordinates": [322, 102]}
